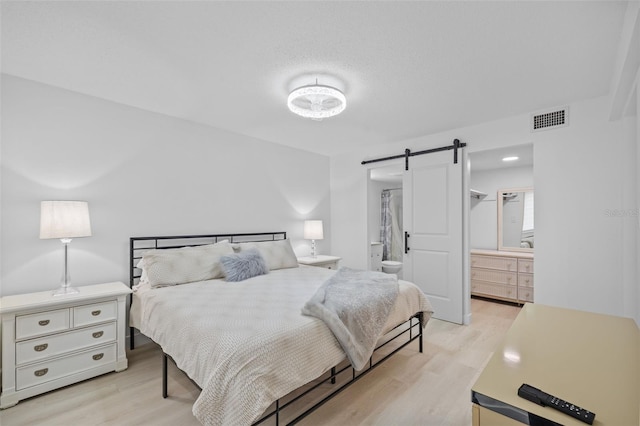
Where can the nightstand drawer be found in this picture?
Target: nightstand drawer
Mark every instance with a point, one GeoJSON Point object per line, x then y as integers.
{"type": "Point", "coordinates": [46, 347]}
{"type": "Point", "coordinates": [95, 313]}
{"type": "Point", "coordinates": [42, 323]}
{"type": "Point", "coordinates": [36, 374]}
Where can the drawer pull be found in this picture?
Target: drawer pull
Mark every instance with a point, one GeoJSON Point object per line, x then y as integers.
{"type": "Point", "coordinates": [96, 313]}
{"type": "Point", "coordinates": [40, 373]}
{"type": "Point", "coordinates": [98, 334]}
{"type": "Point", "coordinates": [98, 357]}
{"type": "Point", "coordinates": [40, 348]}
{"type": "Point", "coordinates": [43, 322]}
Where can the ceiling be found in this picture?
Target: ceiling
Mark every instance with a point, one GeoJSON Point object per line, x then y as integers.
{"type": "Point", "coordinates": [407, 68]}
{"type": "Point", "coordinates": [492, 159]}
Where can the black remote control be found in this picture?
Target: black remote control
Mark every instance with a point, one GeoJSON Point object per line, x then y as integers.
{"type": "Point", "coordinates": [544, 399]}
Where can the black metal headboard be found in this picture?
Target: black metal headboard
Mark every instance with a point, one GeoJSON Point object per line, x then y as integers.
{"type": "Point", "coordinates": [138, 245]}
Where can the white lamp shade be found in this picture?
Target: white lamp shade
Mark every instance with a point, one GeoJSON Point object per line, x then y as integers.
{"type": "Point", "coordinates": [313, 230]}
{"type": "Point", "coordinates": [64, 219]}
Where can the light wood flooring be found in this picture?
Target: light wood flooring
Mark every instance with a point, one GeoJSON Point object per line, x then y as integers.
{"type": "Point", "coordinates": [432, 388]}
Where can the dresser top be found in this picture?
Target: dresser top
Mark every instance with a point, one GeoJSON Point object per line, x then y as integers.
{"type": "Point", "coordinates": [321, 258]}
{"type": "Point", "coordinates": [520, 254]}
{"type": "Point", "coordinates": [45, 299]}
{"type": "Point", "coordinates": [588, 359]}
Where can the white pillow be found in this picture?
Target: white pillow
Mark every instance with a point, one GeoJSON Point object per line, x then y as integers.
{"type": "Point", "coordinates": [184, 265]}
{"type": "Point", "coordinates": [278, 254]}
{"type": "Point", "coordinates": [144, 279]}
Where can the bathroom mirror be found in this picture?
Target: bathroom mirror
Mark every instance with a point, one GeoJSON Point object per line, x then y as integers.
{"type": "Point", "coordinates": [515, 219]}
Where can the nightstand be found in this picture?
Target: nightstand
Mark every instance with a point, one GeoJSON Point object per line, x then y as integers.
{"type": "Point", "coordinates": [322, 261]}
{"type": "Point", "coordinates": [53, 341]}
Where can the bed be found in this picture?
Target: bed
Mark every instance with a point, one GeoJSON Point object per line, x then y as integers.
{"type": "Point", "coordinates": [246, 344]}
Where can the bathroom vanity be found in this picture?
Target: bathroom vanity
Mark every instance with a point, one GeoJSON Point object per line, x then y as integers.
{"type": "Point", "coordinates": [507, 273]}
{"type": "Point", "coordinates": [502, 275]}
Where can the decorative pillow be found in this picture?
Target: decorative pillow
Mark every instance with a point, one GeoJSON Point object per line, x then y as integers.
{"type": "Point", "coordinates": [246, 264]}
{"type": "Point", "coordinates": [278, 254]}
{"type": "Point", "coordinates": [184, 265]}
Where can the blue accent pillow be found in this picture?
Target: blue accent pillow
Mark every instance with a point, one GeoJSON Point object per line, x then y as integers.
{"type": "Point", "coordinates": [243, 265]}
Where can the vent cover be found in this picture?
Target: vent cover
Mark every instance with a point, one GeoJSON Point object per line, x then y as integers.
{"type": "Point", "coordinates": [550, 120]}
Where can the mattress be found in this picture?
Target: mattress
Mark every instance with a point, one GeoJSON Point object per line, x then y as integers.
{"type": "Point", "coordinates": [246, 344]}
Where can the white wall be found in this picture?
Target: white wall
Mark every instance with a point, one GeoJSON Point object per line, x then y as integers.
{"type": "Point", "coordinates": [577, 177]}
{"type": "Point", "coordinates": [625, 107]}
{"type": "Point", "coordinates": [143, 174]}
{"type": "Point", "coordinates": [483, 213]}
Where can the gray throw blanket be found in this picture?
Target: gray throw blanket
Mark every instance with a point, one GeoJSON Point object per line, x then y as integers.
{"type": "Point", "coordinates": [355, 305]}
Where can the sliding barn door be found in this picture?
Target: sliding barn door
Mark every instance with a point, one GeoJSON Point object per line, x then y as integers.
{"type": "Point", "coordinates": [433, 225]}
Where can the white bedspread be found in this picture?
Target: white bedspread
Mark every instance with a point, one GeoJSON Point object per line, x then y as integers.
{"type": "Point", "coordinates": [247, 344]}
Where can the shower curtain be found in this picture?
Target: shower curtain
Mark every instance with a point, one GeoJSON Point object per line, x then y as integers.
{"type": "Point", "coordinates": [391, 224]}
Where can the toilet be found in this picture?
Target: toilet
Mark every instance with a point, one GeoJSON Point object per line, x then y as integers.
{"type": "Point", "coordinates": [391, 267]}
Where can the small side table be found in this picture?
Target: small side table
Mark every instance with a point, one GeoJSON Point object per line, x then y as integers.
{"type": "Point", "coordinates": [322, 261]}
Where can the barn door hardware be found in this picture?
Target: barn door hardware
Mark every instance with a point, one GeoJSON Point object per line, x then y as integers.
{"type": "Point", "coordinates": [407, 153]}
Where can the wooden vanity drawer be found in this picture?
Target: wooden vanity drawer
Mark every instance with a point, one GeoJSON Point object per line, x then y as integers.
{"type": "Point", "coordinates": [525, 294]}
{"type": "Point", "coordinates": [45, 347]}
{"type": "Point", "coordinates": [490, 262]}
{"type": "Point", "coordinates": [510, 278]}
{"type": "Point", "coordinates": [42, 323]}
{"type": "Point", "coordinates": [525, 280]}
{"type": "Point", "coordinates": [95, 313]}
{"type": "Point", "coordinates": [494, 290]}
{"type": "Point", "coordinates": [36, 374]}
{"type": "Point", "coordinates": [525, 265]}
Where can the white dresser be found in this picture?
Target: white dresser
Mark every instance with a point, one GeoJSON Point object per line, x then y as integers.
{"type": "Point", "coordinates": [502, 275]}
{"type": "Point", "coordinates": [53, 341]}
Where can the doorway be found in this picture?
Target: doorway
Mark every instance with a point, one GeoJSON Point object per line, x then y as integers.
{"type": "Point", "coordinates": [501, 224]}
{"type": "Point", "coordinates": [434, 228]}
{"type": "Point", "coordinates": [385, 210]}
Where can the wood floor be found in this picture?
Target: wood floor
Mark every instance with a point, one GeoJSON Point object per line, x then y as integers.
{"type": "Point", "coordinates": [432, 388]}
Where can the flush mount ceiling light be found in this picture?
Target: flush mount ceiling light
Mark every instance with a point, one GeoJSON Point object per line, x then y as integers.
{"type": "Point", "coordinates": [316, 101]}
{"type": "Point", "coordinates": [510, 158]}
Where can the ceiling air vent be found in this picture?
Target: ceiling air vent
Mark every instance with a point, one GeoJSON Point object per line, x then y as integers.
{"type": "Point", "coordinates": [550, 120]}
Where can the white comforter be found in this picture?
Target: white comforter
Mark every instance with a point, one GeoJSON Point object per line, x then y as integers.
{"type": "Point", "coordinates": [247, 344]}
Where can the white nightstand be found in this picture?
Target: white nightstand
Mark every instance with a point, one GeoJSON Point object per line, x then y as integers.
{"type": "Point", "coordinates": [329, 262]}
{"type": "Point", "coordinates": [53, 341]}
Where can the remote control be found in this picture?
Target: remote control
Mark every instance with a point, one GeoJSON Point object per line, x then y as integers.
{"type": "Point", "coordinates": [544, 399]}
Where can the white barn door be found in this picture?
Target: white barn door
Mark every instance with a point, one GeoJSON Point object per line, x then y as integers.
{"type": "Point", "coordinates": [433, 225]}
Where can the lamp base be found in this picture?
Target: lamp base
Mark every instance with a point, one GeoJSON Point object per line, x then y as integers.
{"type": "Point", "coordinates": [65, 282]}
{"type": "Point", "coordinates": [62, 290]}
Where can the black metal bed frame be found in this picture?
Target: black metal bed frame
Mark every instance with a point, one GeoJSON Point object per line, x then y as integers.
{"type": "Point", "coordinates": [164, 242]}
{"type": "Point", "coordinates": [138, 245]}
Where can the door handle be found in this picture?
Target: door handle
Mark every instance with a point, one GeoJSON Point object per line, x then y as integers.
{"type": "Point", "coordinates": [406, 242]}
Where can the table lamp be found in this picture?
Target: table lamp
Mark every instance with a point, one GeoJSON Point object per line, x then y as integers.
{"type": "Point", "coordinates": [64, 220]}
{"type": "Point", "coordinates": [313, 232]}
